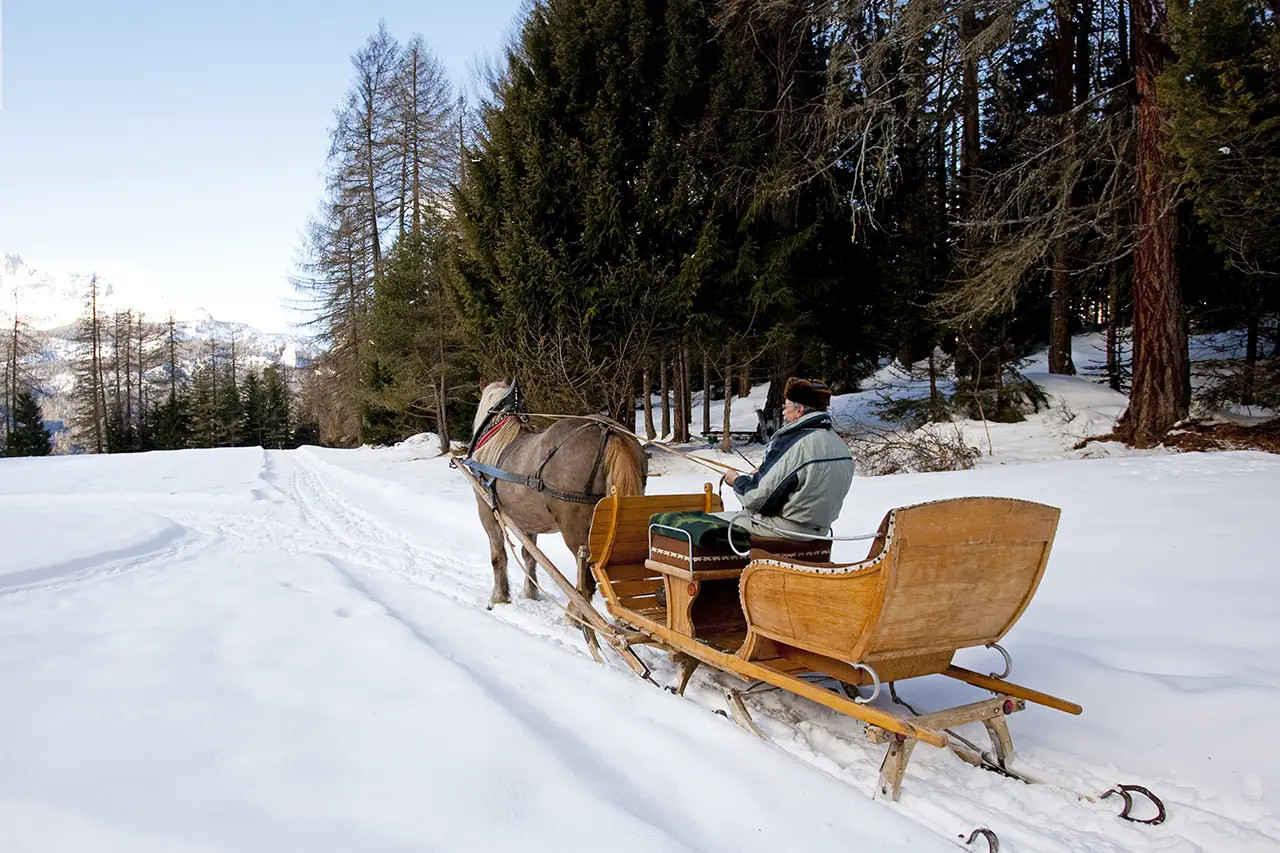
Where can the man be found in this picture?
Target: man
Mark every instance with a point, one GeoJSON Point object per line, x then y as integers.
{"type": "Point", "coordinates": [806, 473]}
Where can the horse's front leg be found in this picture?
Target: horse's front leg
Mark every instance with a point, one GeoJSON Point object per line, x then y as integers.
{"type": "Point", "coordinates": [530, 572]}
{"type": "Point", "coordinates": [498, 555]}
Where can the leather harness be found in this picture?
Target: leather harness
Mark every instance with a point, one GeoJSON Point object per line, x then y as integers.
{"type": "Point", "coordinates": [489, 475]}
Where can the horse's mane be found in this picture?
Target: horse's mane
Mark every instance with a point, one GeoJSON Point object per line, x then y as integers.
{"type": "Point", "coordinates": [488, 453]}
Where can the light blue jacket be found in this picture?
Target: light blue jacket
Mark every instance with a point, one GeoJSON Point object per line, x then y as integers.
{"type": "Point", "coordinates": [802, 482]}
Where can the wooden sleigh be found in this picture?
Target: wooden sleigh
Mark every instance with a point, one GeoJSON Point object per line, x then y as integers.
{"type": "Point", "coordinates": [940, 577]}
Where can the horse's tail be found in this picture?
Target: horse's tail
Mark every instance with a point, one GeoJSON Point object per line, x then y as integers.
{"type": "Point", "coordinates": [625, 465]}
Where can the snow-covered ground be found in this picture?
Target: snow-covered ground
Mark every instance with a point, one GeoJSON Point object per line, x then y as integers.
{"type": "Point", "coordinates": [1079, 407]}
{"type": "Point", "coordinates": [240, 650]}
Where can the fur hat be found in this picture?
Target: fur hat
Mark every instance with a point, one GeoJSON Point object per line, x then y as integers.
{"type": "Point", "coordinates": [810, 393]}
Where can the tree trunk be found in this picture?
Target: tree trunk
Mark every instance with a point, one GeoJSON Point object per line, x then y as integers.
{"type": "Point", "coordinates": [142, 369]}
{"type": "Point", "coordinates": [128, 371]}
{"type": "Point", "coordinates": [1113, 329]}
{"type": "Point", "coordinates": [935, 403]}
{"type": "Point", "coordinates": [706, 395]}
{"type": "Point", "coordinates": [442, 412]}
{"type": "Point", "coordinates": [1161, 394]}
{"type": "Point", "coordinates": [646, 393]}
{"type": "Point", "coordinates": [678, 383]}
{"type": "Point", "coordinates": [971, 139]}
{"type": "Point", "coordinates": [1060, 360]}
{"type": "Point", "coordinates": [1064, 81]}
{"type": "Point", "coordinates": [686, 393]}
{"type": "Point", "coordinates": [1250, 358]}
{"type": "Point", "coordinates": [666, 398]}
{"type": "Point", "coordinates": [726, 441]}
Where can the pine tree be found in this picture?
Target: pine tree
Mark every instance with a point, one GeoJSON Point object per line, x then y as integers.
{"type": "Point", "coordinates": [277, 410]}
{"type": "Point", "coordinates": [90, 392]}
{"type": "Point", "coordinates": [170, 423]}
{"type": "Point", "coordinates": [18, 346]}
{"type": "Point", "coordinates": [28, 437]}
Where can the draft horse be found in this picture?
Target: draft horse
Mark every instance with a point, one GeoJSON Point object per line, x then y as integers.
{"type": "Point", "coordinates": [546, 481]}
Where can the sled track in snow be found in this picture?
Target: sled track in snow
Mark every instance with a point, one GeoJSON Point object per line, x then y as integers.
{"type": "Point", "coordinates": [368, 542]}
{"type": "Point", "coordinates": [943, 794]}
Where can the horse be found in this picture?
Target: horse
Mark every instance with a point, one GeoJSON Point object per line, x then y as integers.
{"type": "Point", "coordinates": [572, 464]}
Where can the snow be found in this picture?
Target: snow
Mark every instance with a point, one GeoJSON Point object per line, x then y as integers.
{"type": "Point", "coordinates": [1079, 407]}
{"type": "Point", "coordinates": [241, 650]}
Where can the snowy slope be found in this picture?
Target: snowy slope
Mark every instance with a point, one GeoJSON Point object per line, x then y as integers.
{"type": "Point", "coordinates": [248, 650]}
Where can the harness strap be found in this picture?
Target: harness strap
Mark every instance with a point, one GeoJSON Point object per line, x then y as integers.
{"type": "Point", "coordinates": [528, 480]}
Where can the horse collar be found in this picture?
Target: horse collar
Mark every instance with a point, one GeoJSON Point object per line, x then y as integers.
{"type": "Point", "coordinates": [489, 433]}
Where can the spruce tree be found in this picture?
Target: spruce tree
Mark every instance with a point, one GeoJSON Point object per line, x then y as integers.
{"type": "Point", "coordinates": [252, 427]}
{"type": "Point", "coordinates": [277, 414]}
{"type": "Point", "coordinates": [28, 437]}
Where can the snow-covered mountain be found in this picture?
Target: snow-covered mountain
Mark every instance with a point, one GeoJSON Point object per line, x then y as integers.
{"type": "Point", "coordinates": [49, 303]}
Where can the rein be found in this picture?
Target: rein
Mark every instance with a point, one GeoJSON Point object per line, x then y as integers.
{"type": "Point", "coordinates": [491, 474]}
{"type": "Point", "coordinates": [713, 464]}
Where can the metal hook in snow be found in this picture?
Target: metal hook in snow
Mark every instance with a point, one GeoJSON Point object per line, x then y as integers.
{"type": "Point", "coordinates": [1126, 794]}
{"type": "Point", "coordinates": [993, 841]}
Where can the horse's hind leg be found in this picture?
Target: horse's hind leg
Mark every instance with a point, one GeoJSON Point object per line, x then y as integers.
{"type": "Point", "coordinates": [498, 555]}
{"type": "Point", "coordinates": [530, 572]}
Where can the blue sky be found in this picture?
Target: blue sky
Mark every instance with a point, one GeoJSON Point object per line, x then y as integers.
{"type": "Point", "coordinates": [177, 147]}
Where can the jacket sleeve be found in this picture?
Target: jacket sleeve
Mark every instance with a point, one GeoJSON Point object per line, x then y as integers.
{"type": "Point", "coordinates": [767, 486]}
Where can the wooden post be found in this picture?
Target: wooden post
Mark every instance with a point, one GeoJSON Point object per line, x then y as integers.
{"type": "Point", "coordinates": [894, 766]}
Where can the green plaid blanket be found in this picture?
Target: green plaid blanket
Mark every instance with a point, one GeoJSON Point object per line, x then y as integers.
{"type": "Point", "coordinates": [706, 530]}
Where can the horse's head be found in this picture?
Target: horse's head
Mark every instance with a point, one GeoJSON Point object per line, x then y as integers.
{"type": "Point", "coordinates": [490, 397]}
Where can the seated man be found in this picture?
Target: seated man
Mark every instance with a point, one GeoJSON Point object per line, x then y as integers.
{"type": "Point", "coordinates": [807, 470]}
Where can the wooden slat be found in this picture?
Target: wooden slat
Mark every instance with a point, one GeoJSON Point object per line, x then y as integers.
{"type": "Point", "coordinates": [629, 589]}
{"type": "Point", "coordinates": [996, 685]}
{"type": "Point", "coordinates": [630, 572]}
{"type": "Point", "coordinates": [632, 528]}
{"type": "Point", "coordinates": [685, 574]}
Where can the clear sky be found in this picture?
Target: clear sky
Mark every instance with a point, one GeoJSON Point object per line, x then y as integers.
{"type": "Point", "coordinates": [177, 147]}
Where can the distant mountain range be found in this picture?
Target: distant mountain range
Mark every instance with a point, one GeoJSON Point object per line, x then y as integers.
{"type": "Point", "coordinates": [50, 303]}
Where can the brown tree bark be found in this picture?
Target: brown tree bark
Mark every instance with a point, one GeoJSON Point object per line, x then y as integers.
{"type": "Point", "coordinates": [646, 393]}
{"type": "Point", "coordinates": [1064, 83]}
{"type": "Point", "coordinates": [1113, 329]}
{"type": "Point", "coordinates": [686, 394]}
{"type": "Point", "coordinates": [706, 396]}
{"type": "Point", "coordinates": [971, 141]}
{"type": "Point", "coordinates": [726, 441]}
{"type": "Point", "coordinates": [1161, 393]}
{"type": "Point", "coordinates": [666, 398]}
{"type": "Point", "coordinates": [1250, 357]}
{"type": "Point", "coordinates": [681, 401]}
